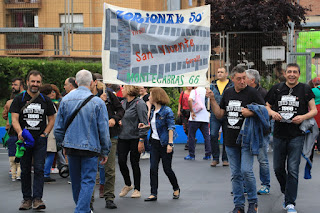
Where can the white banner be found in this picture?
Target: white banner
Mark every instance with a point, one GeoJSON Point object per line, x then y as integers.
{"type": "Point", "coordinates": [162, 49]}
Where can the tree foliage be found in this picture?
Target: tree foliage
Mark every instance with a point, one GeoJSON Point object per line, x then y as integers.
{"type": "Point", "coordinates": [255, 15]}
{"type": "Point", "coordinates": [263, 16]}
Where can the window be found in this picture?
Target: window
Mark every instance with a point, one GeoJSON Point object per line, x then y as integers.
{"type": "Point", "coordinates": [23, 18]}
{"type": "Point", "coordinates": [77, 20]}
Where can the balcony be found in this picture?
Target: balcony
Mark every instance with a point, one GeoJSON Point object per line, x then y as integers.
{"type": "Point", "coordinates": [22, 4]}
{"type": "Point", "coordinates": [24, 43]}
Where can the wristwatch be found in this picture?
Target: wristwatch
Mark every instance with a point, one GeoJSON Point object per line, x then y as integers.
{"type": "Point", "coordinates": [171, 144]}
{"type": "Point", "coordinates": [46, 134]}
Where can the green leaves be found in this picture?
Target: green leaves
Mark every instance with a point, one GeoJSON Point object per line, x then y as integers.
{"type": "Point", "coordinates": [54, 72]}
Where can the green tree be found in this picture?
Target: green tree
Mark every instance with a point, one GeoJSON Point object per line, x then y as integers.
{"type": "Point", "coordinates": [254, 15]}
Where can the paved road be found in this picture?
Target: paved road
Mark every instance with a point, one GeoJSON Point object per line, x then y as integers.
{"type": "Point", "coordinates": [203, 189]}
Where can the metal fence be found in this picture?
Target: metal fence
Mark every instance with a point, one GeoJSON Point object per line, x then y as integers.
{"type": "Point", "coordinates": [73, 28]}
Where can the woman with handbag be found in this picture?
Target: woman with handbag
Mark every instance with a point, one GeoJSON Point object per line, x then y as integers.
{"type": "Point", "coordinates": [162, 132]}
{"type": "Point", "coordinates": [184, 111]}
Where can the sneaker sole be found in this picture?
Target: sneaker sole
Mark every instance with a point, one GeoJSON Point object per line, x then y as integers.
{"type": "Point", "coordinates": [263, 193]}
{"type": "Point", "coordinates": [22, 209]}
{"type": "Point", "coordinates": [40, 207]}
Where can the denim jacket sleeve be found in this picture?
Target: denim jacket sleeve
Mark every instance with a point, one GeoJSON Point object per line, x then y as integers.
{"type": "Point", "coordinates": [103, 124]}
{"type": "Point", "coordinates": [170, 119]}
{"type": "Point", "coordinates": [59, 130]}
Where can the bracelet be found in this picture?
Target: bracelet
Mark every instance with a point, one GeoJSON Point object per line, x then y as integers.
{"type": "Point", "coordinates": [141, 140]}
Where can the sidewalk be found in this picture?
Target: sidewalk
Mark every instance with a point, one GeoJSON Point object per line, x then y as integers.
{"type": "Point", "coordinates": [203, 189]}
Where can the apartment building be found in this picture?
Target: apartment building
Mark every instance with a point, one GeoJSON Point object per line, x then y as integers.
{"type": "Point", "coordinates": [63, 27]}
{"type": "Point", "coordinates": [313, 17]}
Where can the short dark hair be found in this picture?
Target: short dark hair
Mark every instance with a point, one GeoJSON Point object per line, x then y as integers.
{"type": "Point", "coordinates": [223, 67]}
{"type": "Point", "coordinates": [237, 69]}
{"type": "Point", "coordinates": [18, 79]}
{"type": "Point", "coordinates": [293, 65]}
{"type": "Point", "coordinates": [72, 80]}
{"type": "Point", "coordinates": [34, 72]}
{"type": "Point", "coordinates": [46, 89]}
{"type": "Point", "coordinates": [97, 76]}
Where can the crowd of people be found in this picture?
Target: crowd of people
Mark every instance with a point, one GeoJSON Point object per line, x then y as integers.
{"type": "Point", "coordinates": [84, 129]}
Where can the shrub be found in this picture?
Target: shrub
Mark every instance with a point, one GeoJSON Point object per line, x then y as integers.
{"type": "Point", "coordinates": [54, 72]}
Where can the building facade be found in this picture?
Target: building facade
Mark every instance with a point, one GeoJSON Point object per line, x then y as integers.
{"type": "Point", "coordinates": [63, 27]}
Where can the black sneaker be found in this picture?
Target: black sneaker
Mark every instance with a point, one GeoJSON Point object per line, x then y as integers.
{"type": "Point", "coordinates": [253, 208]}
{"type": "Point", "coordinates": [186, 147]}
{"type": "Point", "coordinates": [237, 210]}
{"type": "Point", "coordinates": [110, 204]}
{"type": "Point", "coordinates": [49, 179]}
{"type": "Point", "coordinates": [91, 207]}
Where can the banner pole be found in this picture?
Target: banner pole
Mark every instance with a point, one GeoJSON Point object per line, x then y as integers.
{"type": "Point", "coordinates": [208, 75]}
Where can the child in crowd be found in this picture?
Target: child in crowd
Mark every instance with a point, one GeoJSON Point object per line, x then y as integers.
{"type": "Point", "coordinates": [14, 166]}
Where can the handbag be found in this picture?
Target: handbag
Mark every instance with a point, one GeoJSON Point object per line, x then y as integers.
{"type": "Point", "coordinates": [197, 104]}
{"type": "Point", "coordinates": [179, 120]}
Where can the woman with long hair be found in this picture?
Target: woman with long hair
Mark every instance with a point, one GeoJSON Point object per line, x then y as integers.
{"type": "Point", "coordinates": [162, 132]}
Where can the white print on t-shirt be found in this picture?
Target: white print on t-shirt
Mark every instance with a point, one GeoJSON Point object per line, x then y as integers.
{"type": "Point", "coordinates": [288, 106]}
{"type": "Point", "coordinates": [233, 113]}
{"type": "Point", "coordinates": [33, 115]}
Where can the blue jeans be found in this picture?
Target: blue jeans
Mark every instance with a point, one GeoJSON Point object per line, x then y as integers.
{"type": "Point", "coordinates": [288, 150]}
{"type": "Point", "coordinates": [241, 166]}
{"type": "Point", "coordinates": [83, 171]}
{"type": "Point", "coordinates": [204, 128]}
{"type": "Point", "coordinates": [157, 152]}
{"type": "Point", "coordinates": [102, 174]}
{"type": "Point", "coordinates": [48, 163]}
{"type": "Point", "coordinates": [215, 125]}
{"type": "Point", "coordinates": [38, 153]}
{"type": "Point", "coordinates": [264, 164]}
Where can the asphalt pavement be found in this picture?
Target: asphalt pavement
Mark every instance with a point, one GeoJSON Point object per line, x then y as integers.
{"type": "Point", "coordinates": [203, 189]}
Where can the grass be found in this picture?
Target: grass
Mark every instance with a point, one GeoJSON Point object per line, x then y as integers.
{"type": "Point", "coordinates": [2, 103]}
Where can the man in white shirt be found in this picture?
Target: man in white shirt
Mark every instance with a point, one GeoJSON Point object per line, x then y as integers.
{"type": "Point", "coordinates": [198, 120]}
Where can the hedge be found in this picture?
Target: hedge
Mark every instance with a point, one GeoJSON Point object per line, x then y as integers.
{"type": "Point", "coordinates": [55, 72]}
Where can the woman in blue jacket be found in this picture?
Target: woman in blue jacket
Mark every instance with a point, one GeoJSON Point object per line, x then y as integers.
{"type": "Point", "coordinates": [162, 130]}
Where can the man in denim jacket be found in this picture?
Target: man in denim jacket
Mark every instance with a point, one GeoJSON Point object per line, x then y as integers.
{"type": "Point", "coordinates": [86, 139]}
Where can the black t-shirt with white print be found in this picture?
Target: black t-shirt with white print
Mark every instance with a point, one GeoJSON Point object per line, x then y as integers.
{"type": "Point", "coordinates": [232, 102]}
{"type": "Point", "coordinates": [289, 103]}
{"type": "Point", "coordinates": [33, 118]}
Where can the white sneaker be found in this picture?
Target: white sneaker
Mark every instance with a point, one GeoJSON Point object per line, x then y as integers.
{"type": "Point", "coordinates": [290, 209]}
{"type": "Point", "coordinates": [145, 155]}
{"type": "Point", "coordinates": [54, 171]}
{"type": "Point", "coordinates": [125, 190]}
{"type": "Point", "coordinates": [13, 179]}
{"type": "Point", "coordinates": [136, 194]}
{"type": "Point", "coordinates": [18, 178]}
